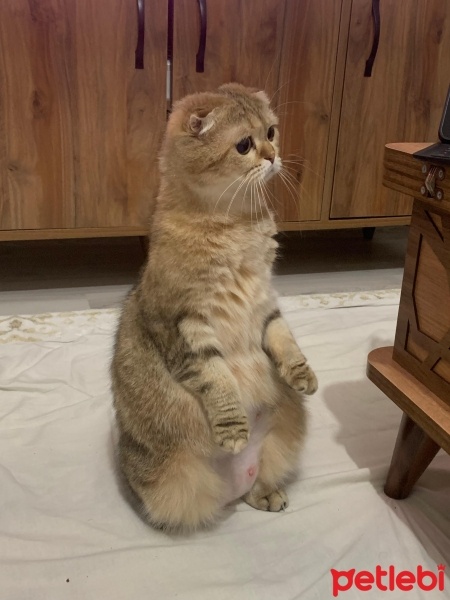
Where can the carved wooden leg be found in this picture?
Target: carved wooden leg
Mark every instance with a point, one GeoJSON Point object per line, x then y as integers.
{"type": "Point", "coordinates": [413, 452]}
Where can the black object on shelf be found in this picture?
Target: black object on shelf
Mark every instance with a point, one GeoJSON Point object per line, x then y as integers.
{"type": "Point", "coordinates": [440, 152]}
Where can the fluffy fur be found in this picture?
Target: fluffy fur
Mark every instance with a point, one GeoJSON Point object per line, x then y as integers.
{"type": "Point", "coordinates": [207, 378]}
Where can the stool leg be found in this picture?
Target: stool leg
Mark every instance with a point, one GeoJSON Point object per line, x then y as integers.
{"type": "Point", "coordinates": [413, 452]}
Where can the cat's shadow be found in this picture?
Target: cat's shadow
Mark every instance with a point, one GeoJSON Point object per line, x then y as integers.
{"type": "Point", "coordinates": [369, 424]}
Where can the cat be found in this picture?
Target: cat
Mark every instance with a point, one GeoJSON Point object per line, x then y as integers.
{"type": "Point", "coordinates": [207, 378]}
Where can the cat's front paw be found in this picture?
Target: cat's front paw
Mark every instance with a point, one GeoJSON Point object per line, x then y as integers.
{"type": "Point", "coordinates": [230, 431]}
{"type": "Point", "coordinates": [300, 376]}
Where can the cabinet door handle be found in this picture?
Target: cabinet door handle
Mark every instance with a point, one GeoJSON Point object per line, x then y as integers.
{"type": "Point", "coordinates": [200, 58]}
{"type": "Point", "coordinates": [376, 37]}
{"type": "Point", "coordinates": [139, 54]}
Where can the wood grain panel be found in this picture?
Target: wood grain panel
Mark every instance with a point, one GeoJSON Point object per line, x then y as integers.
{"type": "Point", "coordinates": [403, 99]}
{"type": "Point", "coordinates": [120, 111]}
{"type": "Point", "coordinates": [307, 77]}
{"type": "Point", "coordinates": [243, 44]}
{"type": "Point", "coordinates": [80, 127]}
{"type": "Point", "coordinates": [422, 341]}
{"type": "Point", "coordinates": [36, 128]}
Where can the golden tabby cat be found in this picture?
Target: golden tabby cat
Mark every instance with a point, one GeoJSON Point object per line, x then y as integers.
{"type": "Point", "coordinates": [207, 378]}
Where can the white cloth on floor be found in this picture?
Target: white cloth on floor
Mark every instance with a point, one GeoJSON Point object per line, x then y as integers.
{"type": "Point", "coordinates": [68, 533]}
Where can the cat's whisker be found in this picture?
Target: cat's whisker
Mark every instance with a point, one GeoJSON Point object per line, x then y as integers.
{"type": "Point", "coordinates": [298, 184]}
{"type": "Point", "coordinates": [299, 158]}
{"type": "Point", "coordinates": [258, 214]}
{"type": "Point", "coordinates": [302, 165]}
{"type": "Point", "coordinates": [235, 194]}
{"type": "Point", "coordinates": [267, 191]}
{"type": "Point", "coordinates": [295, 183]}
{"type": "Point", "coordinates": [303, 193]}
{"type": "Point", "coordinates": [261, 197]}
{"type": "Point", "coordinates": [243, 205]}
{"type": "Point", "coordinates": [227, 188]}
{"type": "Point", "coordinates": [276, 57]}
{"type": "Point", "coordinates": [287, 177]}
{"type": "Point", "coordinates": [257, 197]}
{"type": "Point", "coordinates": [237, 191]}
{"type": "Point", "coordinates": [260, 206]}
{"type": "Point", "coordinates": [292, 192]}
{"type": "Point", "coordinates": [271, 196]}
{"type": "Point", "coordinates": [281, 87]}
{"type": "Point", "coordinates": [251, 205]}
{"type": "Point", "coordinates": [251, 210]}
{"type": "Point", "coordinates": [291, 102]}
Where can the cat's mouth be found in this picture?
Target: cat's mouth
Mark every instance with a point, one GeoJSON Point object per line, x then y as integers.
{"type": "Point", "coordinates": [271, 169]}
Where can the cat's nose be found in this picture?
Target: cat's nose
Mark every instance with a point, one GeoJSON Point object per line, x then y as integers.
{"type": "Point", "coordinates": [268, 152]}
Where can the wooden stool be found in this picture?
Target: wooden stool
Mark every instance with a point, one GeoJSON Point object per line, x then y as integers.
{"type": "Point", "coordinates": [415, 372]}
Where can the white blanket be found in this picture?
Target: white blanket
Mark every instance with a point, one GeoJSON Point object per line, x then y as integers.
{"type": "Point", "coordinates": [68, 533]}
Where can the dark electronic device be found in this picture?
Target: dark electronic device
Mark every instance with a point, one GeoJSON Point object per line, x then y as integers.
{"type": "Point", "coordinates": [440, 152]}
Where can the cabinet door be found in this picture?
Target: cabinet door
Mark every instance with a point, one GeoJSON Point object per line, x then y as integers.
{"type": "Point", "coordinates": [243, 44]}
{"type": "Point", "coordinates": [401, 102]}
{"type": "Point", "coordinates": [79, 125]}
{"type": "Point", "coordinates": [307, 75]}
{"type": "Point", "coordinates": [120, 110]}
{"type": "Point", "coordinates": [37, 182]}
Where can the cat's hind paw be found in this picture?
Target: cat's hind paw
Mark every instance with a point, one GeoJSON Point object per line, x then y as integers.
{"type": "Point", "coordinates": [273, 502]}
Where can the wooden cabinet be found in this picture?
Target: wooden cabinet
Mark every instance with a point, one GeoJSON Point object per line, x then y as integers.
{"type": "Point", "coordinates": [79, 125]}
{"type": "Point", "coordinates": [402, 100]}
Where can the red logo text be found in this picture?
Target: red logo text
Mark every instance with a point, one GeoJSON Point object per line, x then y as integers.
{"type": "Point", "coordinates": [388, 580]}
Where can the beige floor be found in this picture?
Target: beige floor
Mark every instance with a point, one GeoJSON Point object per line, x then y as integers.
{"type": "Point", "coordinates": [70, 275]}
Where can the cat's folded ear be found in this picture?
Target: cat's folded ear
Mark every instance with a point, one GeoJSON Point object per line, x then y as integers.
{"type": "Point", "coordinates": [202, 120]}
{"type": "Point", "coordinates": [261, 94]}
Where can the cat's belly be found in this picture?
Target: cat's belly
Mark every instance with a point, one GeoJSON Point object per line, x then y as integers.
{"type": "Point", "coordinates": [254, 375]}
{"type": "Point", "coordinates": [239, 471]}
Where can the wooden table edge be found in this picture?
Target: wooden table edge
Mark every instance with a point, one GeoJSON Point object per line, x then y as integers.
{"type": "Point", "coordinates": [425, 408]}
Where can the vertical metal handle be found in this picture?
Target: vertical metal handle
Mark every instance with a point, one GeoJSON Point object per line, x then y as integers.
{"type": "Point", "coordinates": [139, 54]}
{"type": "Point", "coordinates": [200, 58]}
{"type": "Point", "coordinates": [376, 38]}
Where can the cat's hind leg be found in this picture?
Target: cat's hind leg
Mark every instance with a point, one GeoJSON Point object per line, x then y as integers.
{"type": "Point", "coordinates": [279, 454]}
{"type": "Point", "coordinates": [186, 494]}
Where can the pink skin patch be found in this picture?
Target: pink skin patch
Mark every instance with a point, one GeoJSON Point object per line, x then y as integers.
{"type": "Point", "coordinates": [240, 471]}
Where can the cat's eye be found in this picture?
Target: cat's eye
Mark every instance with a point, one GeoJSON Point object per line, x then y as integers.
{"type": "Point", "coordinates": [244, 146]}
{"type": "Point", "coordinates": [271, 133]}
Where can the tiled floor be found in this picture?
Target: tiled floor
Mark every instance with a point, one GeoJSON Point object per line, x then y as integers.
{"type": "Point", "coordinates": [70, 275]}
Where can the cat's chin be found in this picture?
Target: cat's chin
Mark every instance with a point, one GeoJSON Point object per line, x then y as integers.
{"type": "Point", "coordinates": [271, 172]}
